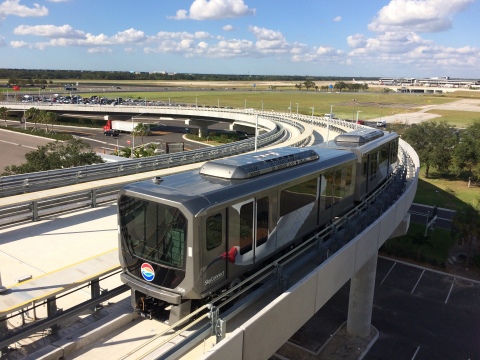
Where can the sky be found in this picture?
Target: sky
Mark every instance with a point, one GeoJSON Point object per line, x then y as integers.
{"type": "Point", "coordinates": [372, 38]}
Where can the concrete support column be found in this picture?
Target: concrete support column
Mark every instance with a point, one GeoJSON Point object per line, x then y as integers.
{"type": "Point", "coordinates": [202, 131]}
{"type": "Point", "coordinates": [202, 125]}
{"type": "Point", "coordinates": [362, 287]}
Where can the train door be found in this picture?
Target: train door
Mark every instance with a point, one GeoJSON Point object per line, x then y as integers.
{"type": "Point", "coordinates": [241, 230]}
{"type": "Point", "coordinates": [215, 254]}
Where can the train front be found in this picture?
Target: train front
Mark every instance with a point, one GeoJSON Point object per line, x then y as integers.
{"type": "Point", "coordinates": [153, 232]}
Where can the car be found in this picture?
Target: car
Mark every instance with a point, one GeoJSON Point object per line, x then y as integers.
{"type": "Point", "coordinates": [111, 132]}
{"type": "Point", "coordinates": [360, 122]}
{"type": "Point", "coordinates": [381, 123]}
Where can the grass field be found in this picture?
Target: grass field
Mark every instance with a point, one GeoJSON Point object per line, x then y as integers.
{"type": "Point", "coordinates": [459, 119]}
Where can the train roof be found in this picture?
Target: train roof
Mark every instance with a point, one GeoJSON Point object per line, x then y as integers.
{"type": "Point", "coordinates": [359, 137]}
{"type": "Point", "coordinates": [196, 191]}
{"type": "Point", "coordinates": [259, 163]}
{"type": "Point", "coordinates": [360, 140]}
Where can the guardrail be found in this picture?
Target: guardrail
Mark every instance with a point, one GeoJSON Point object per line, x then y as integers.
{"type": "Point", "coordinates": [17, 206]}
{"type": "Point", "coordinates": [18, 184]}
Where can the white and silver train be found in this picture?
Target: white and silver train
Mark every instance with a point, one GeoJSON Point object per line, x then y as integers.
{"type": "Point", "coordinates": [188, 236]}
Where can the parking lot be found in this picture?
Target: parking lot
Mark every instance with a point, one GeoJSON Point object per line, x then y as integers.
{"type": "Point", "coordinates": [419, 313]}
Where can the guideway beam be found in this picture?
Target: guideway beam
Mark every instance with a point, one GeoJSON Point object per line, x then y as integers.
{"type": "Point", "coordinates": [362, 287]}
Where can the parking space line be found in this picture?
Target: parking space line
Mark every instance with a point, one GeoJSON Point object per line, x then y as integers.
{"type": "Point", "coordinates": [416, 352]}
{"type": "Point", "coordinates": [423, 272]}
{"type": "Point", "coordinates": [450, 291]}
{"type": "Point", "coordinates": [395, 263]}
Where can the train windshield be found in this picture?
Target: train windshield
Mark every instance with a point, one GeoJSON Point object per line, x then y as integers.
{"type": "Point", "coordinates": [152, 231]}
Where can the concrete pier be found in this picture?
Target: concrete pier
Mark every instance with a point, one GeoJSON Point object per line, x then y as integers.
{"type": "Point", "coordinates": [362, 287]}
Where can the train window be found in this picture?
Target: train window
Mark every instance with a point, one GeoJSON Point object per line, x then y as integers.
{"type": "Point", "coordinates": [365, 164]}
{"type": "Point", "coordinates": [349, 189]}
{"type": "Point", "coordinates": [383, 162]}
{"type": "Point", "coordinates": [153, 231]}
{"type": "Point", "coordinates": [393, 151]}
{"type": "Point", "coordinates": [339, 190]}
{"type": "Point", "coordinates": [373, 157]}
{"type": "Point", "coordinates": [327, 193]}
{"type": "Point", "coordinates": [297, 196]}
{"type": "Point", "coordinates": [246, 228]}
{"type": "Point", "coordinates": [214, 231]}
{"type": "Point", "coordinates": [262, 221]}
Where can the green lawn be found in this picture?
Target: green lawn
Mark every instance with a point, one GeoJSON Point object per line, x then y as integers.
{"type": "Point", "coordinates": [459, 119]}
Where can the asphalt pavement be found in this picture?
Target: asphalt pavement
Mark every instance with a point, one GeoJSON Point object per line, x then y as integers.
{"type": "Point", "coordinates": [419, 313]}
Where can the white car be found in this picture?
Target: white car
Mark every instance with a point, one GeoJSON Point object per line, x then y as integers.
{"type": "Point", "coordinates": [381, 123]}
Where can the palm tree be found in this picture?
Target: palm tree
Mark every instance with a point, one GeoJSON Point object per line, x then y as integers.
{"type": "Point", "coordinates": [126, 152]}
{"type": "Point", "coordinates": [140, 130]}
{"type": "Point", "coordinates": [42, 119]}
{"type": "Point", "coordinates": [33, 114]}
{"type": "Point", "coordinates": [51, 118]}
{"type": "Point", "coordinates": [3, 114]}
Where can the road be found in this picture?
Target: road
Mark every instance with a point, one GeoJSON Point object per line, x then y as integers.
{"type": "Point", "coordinates": [14, 145]}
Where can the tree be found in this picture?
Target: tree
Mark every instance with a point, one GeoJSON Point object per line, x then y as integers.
{"type": "Point", "coordinates": [340, 85]}
{"type": "Point", "coordinates": [467, 224]}
{"type": "Point", "coordinates": [433, 142]}
{"type": "Point", "coordinates": [466, 156]}
{"type": "Point", "coordinates": [126, 152]}
{"type": "Point", "coordinates": [33, 114]}
{"type": "Point", "coordinates": [51, 117]}
{"type": "Point", "coordinates": [140, 130]}
{"type": "Point", "coordinates": [309, 84]}
{"type": "Point", "coordinates": [56, 155]}
{"type": "Point", "coordinates": [3, 114]}
{"type": "Point", "coordinates": [42, 119]}
{"type": "Point", "coordinates": [299, 86]}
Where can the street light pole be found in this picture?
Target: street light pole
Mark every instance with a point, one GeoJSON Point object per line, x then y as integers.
{"type": "Point", "coordinates": [328, 122]}
{"type": "Point", "coordinates": [357, 118]}
{"type": "Point", "coordinates": [256, 132]}
{"type": "Point", "coordinates": [297, 110]}
{"type": "Point", "coordinates": [133, 140]}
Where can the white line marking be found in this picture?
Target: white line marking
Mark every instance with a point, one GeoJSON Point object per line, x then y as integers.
{"type": "Point", "coordinates": [11, 143]}
{"type": "Point", "coordinates": [451, 287]}
{"type": "Point", "coordinates": [417, 282]}
{"type": "Point", "coordinates": [414, 355]}
{"type": "Point", "coordinates": [388, 272]}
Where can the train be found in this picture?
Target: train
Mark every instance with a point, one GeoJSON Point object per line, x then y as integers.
{"type": "Point", "coordinates": [189, 236]}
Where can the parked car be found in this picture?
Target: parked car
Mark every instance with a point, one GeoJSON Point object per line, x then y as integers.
{"type": "Point", "coordinates": [361, 122]}
{"type": "Point", "coordinates": [111, 132]}
{"type": "Point", "coordinates": [381, 123]}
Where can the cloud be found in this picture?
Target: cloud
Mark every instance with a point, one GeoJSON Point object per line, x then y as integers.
{"type": "Point", "coordinates": [128, 36]}
{"type": "Point", "coordinates": [99, 50]}
{"type": "Point", "coordinates": [214, 10]}
{"type": "Point", "coordinates": [356, 41]}
{"type": "Point", "coordinates": [18, 44]}
{"type": "Point", "coordinates": [417, 15]}
{"type": "Point", "coordinates": [13, 7]}
{"type": "Point", "coordinates": [337, 18]}
{"type": "Point", "coordinates": [227, 28]}
{"type": "Point", "coordinates": [65, 31]}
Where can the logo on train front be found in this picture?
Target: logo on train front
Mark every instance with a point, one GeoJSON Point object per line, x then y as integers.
{"type": "Point", "coordinates": [147, 271]}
